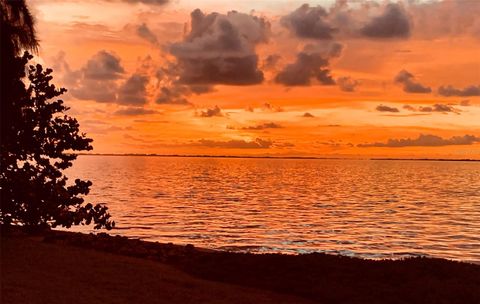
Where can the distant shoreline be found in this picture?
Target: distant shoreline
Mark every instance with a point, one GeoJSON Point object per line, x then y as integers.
{"type": "Point", "coordinates": [280, 157]}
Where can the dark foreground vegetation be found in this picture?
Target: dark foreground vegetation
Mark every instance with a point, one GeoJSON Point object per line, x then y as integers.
{"type": "Point", "coordinates": [317, 278]}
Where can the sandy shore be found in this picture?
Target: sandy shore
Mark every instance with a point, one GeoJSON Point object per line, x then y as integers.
{"type": "Point", "coordinates": [59, 267]}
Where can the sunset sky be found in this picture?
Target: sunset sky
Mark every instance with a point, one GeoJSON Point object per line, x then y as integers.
{"type": "Point", "coordinates": [269, 77]}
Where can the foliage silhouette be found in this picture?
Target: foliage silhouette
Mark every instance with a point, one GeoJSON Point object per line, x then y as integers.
{"type": "Point", "coordinates": [17, 32]}
{"type": "Point", "coordinates": [37, 137]}
{"type": "Point", "coordinates": [34, 190]}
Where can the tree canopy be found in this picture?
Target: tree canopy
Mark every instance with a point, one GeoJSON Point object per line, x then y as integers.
{"type": "Point", "coordinates": [38, 138]}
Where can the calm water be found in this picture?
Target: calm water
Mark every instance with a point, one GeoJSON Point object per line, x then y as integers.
{"type": "Point", "coordinates": [371, 209]}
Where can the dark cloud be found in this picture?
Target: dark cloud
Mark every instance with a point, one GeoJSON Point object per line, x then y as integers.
{"type": "Point", "coordinates": [220, 49]}
{"type": "Point", "coordinates": [100, 80]}
{"type": "Point", "coordinates": [216, 111]}
{"type": "Point", "coordinates": [385, 20]}
{"type": "Point", "coordinates": [201, 89]}
{"type": "Point", "coordinates": [438, 107]}
{"type": "Point", "coordinates": [98, 90]}
{"type": "Point", "coordinates": [144, 32]}
{"type": "Point", "coordinates": [426, 140]}
{"type": "Point", "coordinates": [383, 108]}
{"type": "Point", "coordinates": [173, 95]}
{"type": "Point", "coordinates": [221, 70]}
{"type": "Point", "coordinates": [308, 115]}
{"type": "Point", "coordinates": [170, 91]}
{"type": "Point", "coordinates": [132, 111]}
{"type": "Point", "coordinates": [263, 126]}
{"type": "Point", "coordinates": [449, 90]}
{"type": "Point", "coordinates": [133, 91]}
{"type": "Point", "coordinates": [347, 84]}
{"type": "Point", "coordinates": [258, 143]}
{"type": "Point", "coordinates": [311, 63]}
{"type": "Point", "coordinates": [103, 66]}
{"type": "Point", "coordinates": [309, 22]}
{"type": "Point", "coordinates": [406, 115]}
{"type": "Point", "coordinates": [409, 84]}
{"type": "Point", "coordinates": [392, 23]}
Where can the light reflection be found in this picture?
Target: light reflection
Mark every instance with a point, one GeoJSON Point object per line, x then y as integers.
{"type": "Point", "coordinates": [372, 209]}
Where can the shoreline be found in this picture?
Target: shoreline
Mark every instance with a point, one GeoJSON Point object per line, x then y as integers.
{"type": "Point", "coordinates": [233, 249]}
{"type": "Point", "coordinates": [314, 277]}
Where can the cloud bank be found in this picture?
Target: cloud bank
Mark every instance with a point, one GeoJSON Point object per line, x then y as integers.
{"type": "Point", "coordinates": [425, 140]}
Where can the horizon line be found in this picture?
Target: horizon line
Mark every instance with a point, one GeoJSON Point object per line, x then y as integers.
{"type": "Point", "coordinates": [278, 157]}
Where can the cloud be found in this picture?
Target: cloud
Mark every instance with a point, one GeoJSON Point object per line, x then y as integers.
{"type": "Point", "coordinates": [370, 20]}
{"type": "Point", "coordinates": [449, 91]}
{"type": "Point", "coordinates": [216, 111]}
{"type": "Point", "coordinates": [409, 84]}
{"type": "Point", "coordinates": [336, 144]}
{"type": "Point", "coordinates": [409, 108]}
{"type": "Point", "coordinates": [393, 22]}
{"type": "Point", "coordinates": [270, 62]}
{"type": "Point", "coordinates": [347, 84]}
{"type": "Point", "coordinates": [382, 108]}
{"type": "Point", "coordinates": [133, 111]}
{"type": "Point", "coordinates": [268, 107]}
{"type": "Point", "coordinates": [133, 91]}
{"type": "Point", "coordinates": [465, 103]}
{"type": "Point", "coordinates": [258, 143]}
{"type": "Point", "coordinates": [100, 91]}
{"type": "Point", "coordinates": [152, 2]}
{"type": "Point", "coordinates": [171, 91]}
{"type": "Point", "coordinates": [103, 66]}
{"type": "Point", "coordinates": [311, 63]}
{"type": "Point", "coordinates": [220, 49]}
{"type": "Point", "coordinates": [144, 32]}
{"type": "Point", "coordinates": [426, 140]}
{"type": "Point", "coordinates": [384, 20]}
{"type": "Point", "coordinates": [263, 126]}
{"type": "Point", "coordinates": [173, 95]}
{"type": "Point", "coordinates": [309, 22]}
{"type": "Point", "coordinates": [438, 107]}
{"type": "Point", "coordinates": [99, 78]}
{"type": "Point", "coordinates": [308, 115]}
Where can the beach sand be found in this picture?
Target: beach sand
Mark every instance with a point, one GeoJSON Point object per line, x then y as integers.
{"type": "Point", "coordinates": [63, 267]}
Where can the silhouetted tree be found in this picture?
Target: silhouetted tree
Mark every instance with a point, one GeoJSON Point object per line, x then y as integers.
{"type": "Point", "coordinates": [17, 33]}
{"type": "Point", "coordinates": [37, 137]}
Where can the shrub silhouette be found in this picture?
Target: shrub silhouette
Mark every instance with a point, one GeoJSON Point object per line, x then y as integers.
{"type": "Point", "coordinates": [37, 137]}
{"type": "Point", "coordinates": [37, 147]}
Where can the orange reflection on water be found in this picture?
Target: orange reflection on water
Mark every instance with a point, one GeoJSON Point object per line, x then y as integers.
{"type": "Point", "coordinates": [371, 209]}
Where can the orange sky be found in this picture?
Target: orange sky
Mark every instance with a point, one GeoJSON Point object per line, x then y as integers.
{"type": "Point", "coordinates": [352, 66]}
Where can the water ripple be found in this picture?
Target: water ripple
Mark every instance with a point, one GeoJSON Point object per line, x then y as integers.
{"type": "Point", "coordinates": [370, 209]}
